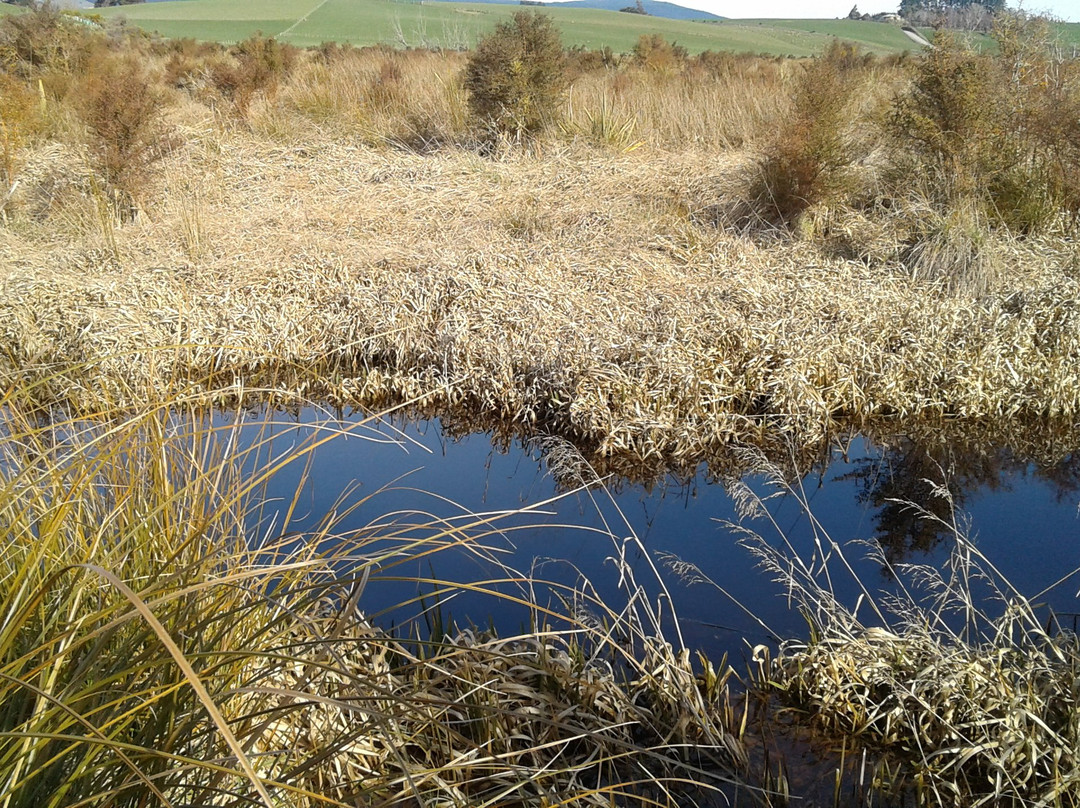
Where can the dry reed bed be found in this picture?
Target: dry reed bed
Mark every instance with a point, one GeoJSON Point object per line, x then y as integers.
{"type": "Point", "coordinates": [568, 288]}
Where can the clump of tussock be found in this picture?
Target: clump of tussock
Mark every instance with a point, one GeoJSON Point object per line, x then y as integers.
{"type": "Point", "coordinates": [166, 640]}
{"type": "Point", "coordinates": [381, 97]}
{"type": "Point", "coordinates": [707, 102]}
{"type": "Point", "coordinates": [956, 676]}
{"type": "Point", "coordinates": [955, 247]}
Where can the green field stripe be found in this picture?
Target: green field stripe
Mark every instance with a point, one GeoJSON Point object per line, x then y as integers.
{"type": "Point", "coordinates": [438, 24]}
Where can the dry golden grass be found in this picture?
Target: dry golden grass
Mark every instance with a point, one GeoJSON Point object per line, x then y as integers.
{"type": "Point", "coordinates": [572, 288]}
{"type": "Point", "coordinates": [342, 238]}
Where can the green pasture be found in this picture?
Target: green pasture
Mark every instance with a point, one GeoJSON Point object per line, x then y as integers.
{"type": "Point", "coordinates": [457, 25]}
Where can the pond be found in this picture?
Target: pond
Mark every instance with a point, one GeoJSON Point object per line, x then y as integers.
{"type": "Point", "coordinates": [406, 479]}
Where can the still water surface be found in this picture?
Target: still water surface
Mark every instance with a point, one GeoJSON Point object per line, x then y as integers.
{"type": "Point", "coordinates": [1022, 517]}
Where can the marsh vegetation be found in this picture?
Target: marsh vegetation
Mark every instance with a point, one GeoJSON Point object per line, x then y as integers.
{"type": "Point", "coordinates": [656, 257]}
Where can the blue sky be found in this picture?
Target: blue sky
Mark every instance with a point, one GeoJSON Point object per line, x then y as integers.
{"type": "Point", "coordinates": [1065, 9]}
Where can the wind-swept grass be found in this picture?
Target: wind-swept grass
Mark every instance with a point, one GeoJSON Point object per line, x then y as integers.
{"type": "Point", "coordinates": [166, 642]}
{"type": "Point", "coordinates": [962, 688]}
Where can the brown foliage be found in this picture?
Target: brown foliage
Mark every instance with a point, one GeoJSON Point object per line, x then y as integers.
{"type": "Point", "coordinates": [258, 64]}
{"type": "Point", "coordinates": [18, 119]}
{"type": "Point", "coordinates": [121, 111]}
{"type": "Point", "coordinates": [808, 162]}
{"type": "Point", "coordinates": [654, 52]}
{"type": "Point", "coordinates": [38, 41]}
{"type": "Point", "coordinates": [516, 76]}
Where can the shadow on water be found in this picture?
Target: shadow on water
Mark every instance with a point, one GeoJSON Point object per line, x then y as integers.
{"type": "Point", "coordinates": [1020, 496]}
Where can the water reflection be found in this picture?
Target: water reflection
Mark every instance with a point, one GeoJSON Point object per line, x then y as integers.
{"type": "Point", "coordinates": [941, 474]}
{"type": "Point", "coordinates": [1023, 494]}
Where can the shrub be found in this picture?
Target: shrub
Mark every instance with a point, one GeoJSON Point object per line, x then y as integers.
{"type": "Point", "coordinates": [809, 160]}
{"type": "Point", "coordinates": [18, 119]}
{"type": "Point", "coordinates": [259, 64]}
{"type": "Point", "coordinates": [516, 76]}
{"type": "Point", "coordinates": [580, 60]}
{"type": "Point", "coordinates": [1001, 129]}
{"type": "Point", "coordinates": [654, 52]}
{"type": "Point", "coordinates": [121, 111]}
{"type": "Point", "coordinates": [947, 117]}
{"type": "Point", "coordinates": [37, 41]}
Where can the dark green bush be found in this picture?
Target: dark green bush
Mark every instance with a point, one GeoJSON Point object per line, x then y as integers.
{"type": "Point", "coordinates": [516, 77]}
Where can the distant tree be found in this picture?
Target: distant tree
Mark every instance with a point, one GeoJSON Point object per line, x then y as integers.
{"type": "Point", "coordinates": [106, 3]}
{"type": "Point", "coordinates": [911, 7]}
{"type": "Point", "coordinates": [958, 14]}
{"type": "Point", "coordinates": [854, 13]}
{"type": "Point", "coordinates": [638, 8]}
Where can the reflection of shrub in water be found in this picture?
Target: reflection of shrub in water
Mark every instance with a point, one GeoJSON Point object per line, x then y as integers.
{"type": "Point", "coordinates": [954, 682]}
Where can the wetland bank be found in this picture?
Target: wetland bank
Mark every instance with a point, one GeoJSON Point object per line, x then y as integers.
{"type": "Point", "coordinates": [692, 259]}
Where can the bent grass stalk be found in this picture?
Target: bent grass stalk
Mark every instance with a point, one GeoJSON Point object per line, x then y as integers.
{"type": "Point", "coordinates": [961, 701]}
{"type": "Point", "coordinates": [153, 645]}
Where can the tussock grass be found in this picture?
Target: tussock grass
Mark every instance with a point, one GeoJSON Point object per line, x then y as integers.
{"type": "Point", "coordinates": [166, 641]}
{"type": "Point", "coordinates": [959, 685]}
{"type": "Point", "coordinates": [345, 240]}
{"type": "Point", "coordinates": [575, 291]}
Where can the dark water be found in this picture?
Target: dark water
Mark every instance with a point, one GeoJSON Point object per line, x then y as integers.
{"type": "Point", "coordinates": [401, 479]}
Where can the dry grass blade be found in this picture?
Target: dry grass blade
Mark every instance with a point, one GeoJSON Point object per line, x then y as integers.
{"type": "Point", "coordinates": [955, 677]}
{"type": "Point", "coordinates": [192, 677]}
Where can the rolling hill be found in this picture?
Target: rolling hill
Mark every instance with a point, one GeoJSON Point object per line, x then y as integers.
{"type": "Point", "coordinates": [459, 25]}
{"type": "Point", "coordinates": [653, 8]}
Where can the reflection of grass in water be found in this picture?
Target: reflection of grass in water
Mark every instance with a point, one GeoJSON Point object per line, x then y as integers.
{"type": "Point", "coordinates": [154, 650]}
{"type": "Point", "coordinates": [955, 683]}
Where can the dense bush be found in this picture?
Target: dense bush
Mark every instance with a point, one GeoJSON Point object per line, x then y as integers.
{"type": "Point", "coordinates": [516, 76]}
{"type": "Point", "coordinates": [809, 159]}
{"type": "Point", "coordinates": [122, 113]}
{"type": "Point", "coordinates": [258, 64]}
{"type": "Point", "coordinates": [654, 52]}
{"type": "Point", "coordinates": [35, 41]}
{"type": "Point", "coordinates": [1002, 130]}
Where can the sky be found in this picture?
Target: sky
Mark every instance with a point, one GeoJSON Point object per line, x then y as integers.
{"type": "Point", "coordinates": [827, 9]}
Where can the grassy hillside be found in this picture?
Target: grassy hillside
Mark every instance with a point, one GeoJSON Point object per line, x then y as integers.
{"type": "Point", "coordinates": [366, 22]}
